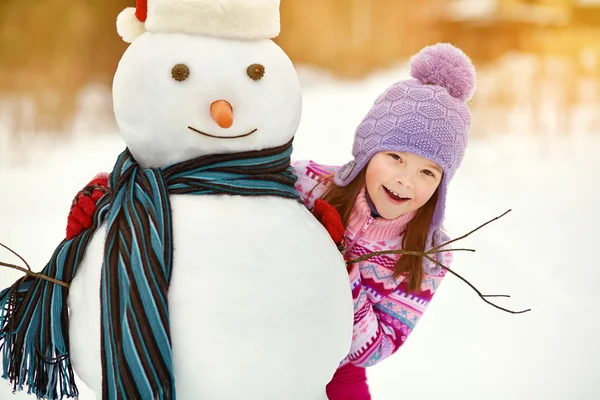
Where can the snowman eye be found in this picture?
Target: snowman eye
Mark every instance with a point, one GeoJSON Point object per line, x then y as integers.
{"type": "Point", "coordinates": [180, 72]}
{"type": "Point", "coordinates": [256, 71]}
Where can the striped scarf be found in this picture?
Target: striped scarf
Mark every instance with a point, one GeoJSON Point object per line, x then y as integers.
{"type": "Point", "coordinates": [138, 260]}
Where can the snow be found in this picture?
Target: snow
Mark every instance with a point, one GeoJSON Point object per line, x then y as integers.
{"type": "Point", "coordinates": [541, 253]}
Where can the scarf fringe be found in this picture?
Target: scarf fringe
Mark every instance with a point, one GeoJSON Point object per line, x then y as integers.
{"type": "Point", "coordinates": [24, 365]}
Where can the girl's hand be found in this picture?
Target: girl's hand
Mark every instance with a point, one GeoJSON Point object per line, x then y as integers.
{"type": "Point", "coordinates": [84, 205]}
{"type": "Point", "coordinates": [329, 217]}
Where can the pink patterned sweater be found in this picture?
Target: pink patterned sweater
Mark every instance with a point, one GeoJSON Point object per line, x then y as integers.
{"type": "Point", "coordinates": [384, 314]}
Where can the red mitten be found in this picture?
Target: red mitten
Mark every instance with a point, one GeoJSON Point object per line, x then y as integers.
{"type": "Point", "coordinates": [84, 205]}
{"type": "Point", "coordinates": [329, 217]}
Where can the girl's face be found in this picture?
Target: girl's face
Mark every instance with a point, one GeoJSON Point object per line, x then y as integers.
{"type": "Point", "coordinates": [399, 183]}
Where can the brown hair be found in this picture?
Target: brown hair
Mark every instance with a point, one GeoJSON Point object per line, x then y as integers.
{"type": "Point", "coordinates": [415, 235]}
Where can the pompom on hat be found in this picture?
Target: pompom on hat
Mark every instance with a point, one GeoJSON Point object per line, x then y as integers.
{"type": "Point", "coordinates": [230, 19]}
{"type": "Point", "coordinates": [426, 115]}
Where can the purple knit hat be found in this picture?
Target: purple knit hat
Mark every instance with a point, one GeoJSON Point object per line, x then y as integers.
{"type": "Point", "coordinates": [427, 116]}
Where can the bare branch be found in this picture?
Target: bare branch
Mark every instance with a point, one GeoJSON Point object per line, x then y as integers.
{"type": "Point", "coordinates": [424, 254]}
{"type": "Point", "coordinates": [470, 233]}
{"type": "Point", "coordinates": [445, 250]}
{"type": "Point", "coordinates": [28, 270]}
{"type": "Point", "coordinates": [382, 252]}
{"type": "Point", "coordinates": [16, 254]}
{"type": "Point", "coordinates": [440, 249]}
{"type": "Point", "coordinates": [34, 274]}
{"type": "Point", "coordinates": [407, 252]}
{"type": "Point", "coordinates": [482, 296]}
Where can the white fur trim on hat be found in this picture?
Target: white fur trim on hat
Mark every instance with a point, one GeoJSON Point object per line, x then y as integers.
{"type": "Point", "coordinates": [128, 26]}
{"type": "Point", "coordinates": [233, 19]}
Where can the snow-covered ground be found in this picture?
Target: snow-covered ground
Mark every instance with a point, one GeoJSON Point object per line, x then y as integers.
{"type": "Point", "coordinates": [541, 253]}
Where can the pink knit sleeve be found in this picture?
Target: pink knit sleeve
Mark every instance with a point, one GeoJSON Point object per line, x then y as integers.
{"type": "Point", "coordinates": [382, 323]}
{"type": "Point", "coordinates": [311, 183]}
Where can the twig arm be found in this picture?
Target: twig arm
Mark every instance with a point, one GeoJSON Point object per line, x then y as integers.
{"type": "Point", "coordinates": [28, 272]}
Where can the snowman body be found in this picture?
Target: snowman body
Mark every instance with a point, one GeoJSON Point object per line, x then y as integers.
{"type": "Point", "coordinates": [260, 304]}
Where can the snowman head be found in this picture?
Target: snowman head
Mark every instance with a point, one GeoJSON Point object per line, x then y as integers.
{"type": "Point", "coordinates": [203, 77]}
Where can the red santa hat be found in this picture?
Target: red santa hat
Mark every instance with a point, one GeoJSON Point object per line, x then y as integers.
{"type": "Point", "coordinates": [232, 19]}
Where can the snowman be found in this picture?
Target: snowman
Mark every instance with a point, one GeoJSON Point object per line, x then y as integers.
{"type": "Point", "coordinates": [258, 304]}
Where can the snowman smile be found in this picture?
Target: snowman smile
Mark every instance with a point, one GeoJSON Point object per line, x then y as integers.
{"type": "Point", "coordinates": [222, 137]}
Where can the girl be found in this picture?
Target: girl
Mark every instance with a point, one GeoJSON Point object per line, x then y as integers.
{"type": "Point", "coordinates": [391, 196]}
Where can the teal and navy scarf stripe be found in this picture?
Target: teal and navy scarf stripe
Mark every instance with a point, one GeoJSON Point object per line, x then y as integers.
{"type": "Point", "coordinates": [136, 271]}
{"type": "Point", "coordinates": [263, 175]}
{"type": "Point", "coordinates": [136, 341]}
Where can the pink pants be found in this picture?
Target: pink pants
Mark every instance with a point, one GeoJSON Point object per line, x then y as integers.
{"type": "Point", "coordinates": [349, 383]}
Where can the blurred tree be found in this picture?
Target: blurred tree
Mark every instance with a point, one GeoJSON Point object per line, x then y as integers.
{"type": "Point", "coordinates": [49, 50]}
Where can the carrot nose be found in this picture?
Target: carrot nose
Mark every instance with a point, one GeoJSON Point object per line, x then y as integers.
{"type": "Point", "coordinates": [222, 113]}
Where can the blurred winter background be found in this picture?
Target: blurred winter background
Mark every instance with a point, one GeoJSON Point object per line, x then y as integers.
{"type": "Point", "coordinates": [534, 149]}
